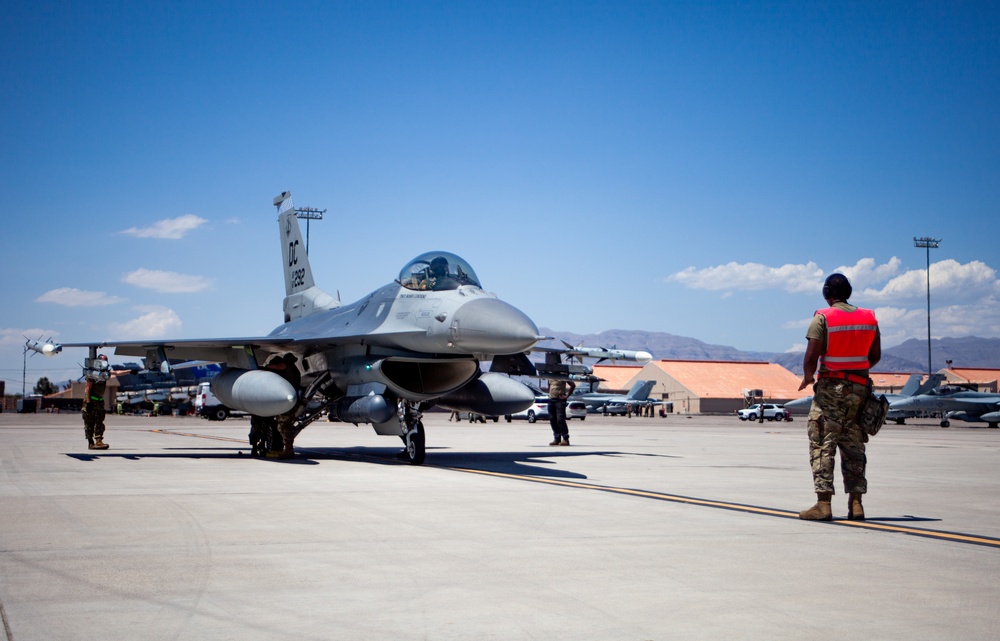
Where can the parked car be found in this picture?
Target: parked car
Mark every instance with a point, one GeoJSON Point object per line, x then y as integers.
{"type": "Point", "coordinates": [771, 412]}
{"type": "Point", "coordinates": [540, 410]}
{"type": "Point", "coordinates": [576, 409]}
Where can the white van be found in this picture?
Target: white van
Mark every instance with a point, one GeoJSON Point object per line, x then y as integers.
{"type": "Point", "coordinates": [208, 406]}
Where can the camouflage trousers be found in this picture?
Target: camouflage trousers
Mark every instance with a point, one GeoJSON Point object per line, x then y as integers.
{"type": "Point", "coordinates": [832, 426]}
{"type": "Point", "coordinates": [93, 419]}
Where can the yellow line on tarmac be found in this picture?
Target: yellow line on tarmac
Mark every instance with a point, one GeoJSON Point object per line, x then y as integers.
{"type": "Point", "coordinates": [957, 537]}
{"type": "Point", "coordinates": [214, 438]}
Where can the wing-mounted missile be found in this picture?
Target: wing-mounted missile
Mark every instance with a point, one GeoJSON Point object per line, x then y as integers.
{"type": "Point", "coordinates": [554, 366]}
{"type": "Point", "coordinates": [606, 354]}
{"type": "Point", "coordinates": [48, 348]}
{"type": "Point", "coordinates": [490, 394]}
{"type": "Point", "coordinates": [256, 391]}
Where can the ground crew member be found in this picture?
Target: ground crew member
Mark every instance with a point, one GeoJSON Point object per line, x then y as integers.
{"type": "Point", "coordinates": [844, 342]}
{"type": "Point", "coordinates": [559, 391]}
{"type": "Point", "coordinates": [289, 371]}
{"type": "Point", "coordinates": [93, 403]}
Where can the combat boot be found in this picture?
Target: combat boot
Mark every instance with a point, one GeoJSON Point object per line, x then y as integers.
{"type": "Point", "coordinates": [90, 443]}
{"type": "Point", "coordinates": [855, 511]}
{"type": "Point", "coordinates": [99, 444]}
{"type": "Point", "coordinates": [821, 511]}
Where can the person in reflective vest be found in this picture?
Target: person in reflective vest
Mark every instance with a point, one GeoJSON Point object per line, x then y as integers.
{"type": "Point", "coordinates": [843, 345]}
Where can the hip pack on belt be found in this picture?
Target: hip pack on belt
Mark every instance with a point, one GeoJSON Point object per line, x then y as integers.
{"type": "Point", "coordinates": [873, 411]}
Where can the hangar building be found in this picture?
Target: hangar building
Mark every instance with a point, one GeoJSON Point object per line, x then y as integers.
{"type": "Point", "coordinates": [717, 387]}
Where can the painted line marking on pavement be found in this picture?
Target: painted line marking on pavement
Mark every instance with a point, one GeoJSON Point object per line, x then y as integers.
{"type": "Point", "coordinates": [940, 535]}
{"type": "Point", "coordinates": [957, 537]}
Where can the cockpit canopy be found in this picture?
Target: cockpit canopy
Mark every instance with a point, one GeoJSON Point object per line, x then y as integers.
{"type": "Point", "coordinates": [437, 271]}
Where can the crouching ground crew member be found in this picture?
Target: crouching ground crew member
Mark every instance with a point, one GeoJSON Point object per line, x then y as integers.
{"type": "Point", "coordinates": [844, 342]}
{"type": "Point", "coordinates": [287, 369]}
{"type": "Point", "coordinates": [96, 373]}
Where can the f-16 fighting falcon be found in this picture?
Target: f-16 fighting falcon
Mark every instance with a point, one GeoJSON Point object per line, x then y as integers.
{"type": "Point", "coordinates": [415, 342]}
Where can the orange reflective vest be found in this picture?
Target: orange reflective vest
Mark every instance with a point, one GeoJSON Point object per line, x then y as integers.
{"type": "Point", "coordinates": [849, 336]}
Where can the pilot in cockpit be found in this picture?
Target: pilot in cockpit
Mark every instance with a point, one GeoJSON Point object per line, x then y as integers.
{"type": "Point", "coordinates": [440, 278]}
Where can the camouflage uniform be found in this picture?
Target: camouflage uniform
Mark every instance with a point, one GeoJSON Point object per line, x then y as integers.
{"type": "Point", "coordinates": [832, 426]}
{"type": "Point", "coordinates": [559, 391]}
{"type": "Point", "coordinates": [93, 410]}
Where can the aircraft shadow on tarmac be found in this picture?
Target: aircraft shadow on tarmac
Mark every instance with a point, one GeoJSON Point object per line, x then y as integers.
{"type": "Point", "coordinates": [533, 463]}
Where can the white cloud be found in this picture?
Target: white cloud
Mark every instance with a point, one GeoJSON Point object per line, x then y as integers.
{"type": "Point", "coordinates": [170, 228]}
{"type": "Point", "coordinates": [166, 282]}
{"type": "Point", "coordinates": [156, 322]}
{"type": "Point", "coordinates": [951, 282]}
{"type": "Point", "coordinates": [795, 279]}
{"type": "Point", "coordinates": [865, 273]}
{"type": "Point", "coordinates": [71, 297]}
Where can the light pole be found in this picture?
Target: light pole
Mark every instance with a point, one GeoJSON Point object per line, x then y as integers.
{"type": "Point", "coordinates": [928, 244]}
{"type": "Point", "coordinates": [309, 213]}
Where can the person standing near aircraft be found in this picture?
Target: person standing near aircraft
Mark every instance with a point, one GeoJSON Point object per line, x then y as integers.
{"type": "Point", "coordinates": [559, 392]}
{"type": "Point", "coordinates": [288, 370]}
{"type": "Point", "coordinates": [96, 374]}
{"type": "Point", "coordinates": [844, 343]}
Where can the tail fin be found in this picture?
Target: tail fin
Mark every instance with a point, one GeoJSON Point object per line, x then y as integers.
{"type": "Point", "coordinates": [931, 383]}
{"type": "Point", "coordinates": [640, 391]}
{"type": "Point", "coordinates": [302, 297]}
{"type": "Point", "coordinates": [911, 385]}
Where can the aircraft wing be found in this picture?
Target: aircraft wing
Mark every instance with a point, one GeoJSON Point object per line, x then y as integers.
{"type": "Point", "coordinates": [235, 352]}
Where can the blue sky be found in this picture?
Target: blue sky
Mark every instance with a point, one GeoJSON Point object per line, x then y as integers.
{"type": "Point", "coordinates": [694, 168]}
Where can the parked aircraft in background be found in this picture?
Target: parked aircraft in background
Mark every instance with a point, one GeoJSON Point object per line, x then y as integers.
{"type": "Point", "coordinates": [599, 402]}
{"type": "Point", "coordinates": [974, 407]}
{"type": "Point", "coordinates": [911, 388]}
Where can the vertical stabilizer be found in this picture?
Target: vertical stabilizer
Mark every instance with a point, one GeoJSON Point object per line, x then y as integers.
{"type": "Point", "coordinates": [640, 391]}
{"type": "Point", "coordinates": [302, 297]}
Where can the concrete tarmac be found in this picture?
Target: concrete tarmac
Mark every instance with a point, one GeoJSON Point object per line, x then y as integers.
{"type": "Point", "coordinates": [642, 530]}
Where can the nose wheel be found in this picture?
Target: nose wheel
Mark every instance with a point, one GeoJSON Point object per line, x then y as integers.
{"type": "Point", "coordinates": [415, 448]}
{"type": "Point", "coordinates": [413, 433]}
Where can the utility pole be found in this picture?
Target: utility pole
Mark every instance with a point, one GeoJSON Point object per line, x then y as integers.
{"type": "Point", "coordinates": [928, 244]}
{"type": "Point", "coordinates": [309, 213]}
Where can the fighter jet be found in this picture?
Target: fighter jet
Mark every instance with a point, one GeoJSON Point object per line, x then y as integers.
{"type": "Point", "coordinates": [911, 388]}
{"type": "Point", "coordinates": [596, 401]}
{"type": "Point", "coordinates": [412, 343]}
{"type": "Point", "coordinates": [964, 405]}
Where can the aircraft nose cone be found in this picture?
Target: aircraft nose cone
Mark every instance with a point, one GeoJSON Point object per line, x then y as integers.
{"type": "Point", "coordinates": [491, 326]}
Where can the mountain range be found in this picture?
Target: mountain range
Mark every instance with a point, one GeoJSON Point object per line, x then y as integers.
{"type": "Point", "coordinates": [909, 356]}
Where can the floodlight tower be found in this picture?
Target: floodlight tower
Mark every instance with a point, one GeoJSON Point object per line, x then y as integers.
{"type": "Point", "coordinates": [928, 244]}
{"type": "Point", "coordinates": [309, 213]}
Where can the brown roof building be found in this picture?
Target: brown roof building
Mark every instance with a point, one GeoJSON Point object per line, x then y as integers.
{"type": "Point", "coordinates": [980, 379]}
{"type": "Point", "coordinates": [711, 387]}
{"type": "Point", "coordinates": [618, 379]}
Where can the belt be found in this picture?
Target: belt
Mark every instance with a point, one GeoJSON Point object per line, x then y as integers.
{"type": "Point", "coordinates": [854, 378]}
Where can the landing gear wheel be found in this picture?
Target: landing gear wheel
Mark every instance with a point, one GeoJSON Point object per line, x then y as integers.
{"type": "Point", "coordinates": [415, 448]}
{"type": "Point", "coordinates": [945, 423]}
